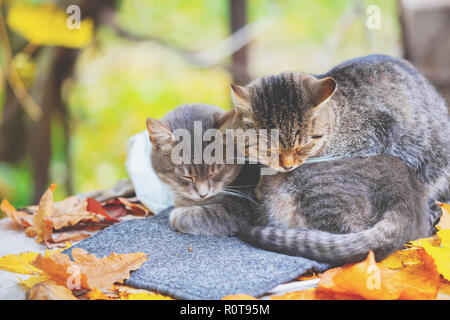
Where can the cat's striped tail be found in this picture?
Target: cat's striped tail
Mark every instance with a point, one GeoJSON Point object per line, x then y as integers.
{"type": "Point", "coordinates": [383, 238]}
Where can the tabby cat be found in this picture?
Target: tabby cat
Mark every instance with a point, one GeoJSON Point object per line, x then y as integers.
{"type": "Point", "coordinates": [210, 199]}
{"type": "Point", "coordinates": [366, 106]}
{"type": "Point", "coordinates": [336, 211]}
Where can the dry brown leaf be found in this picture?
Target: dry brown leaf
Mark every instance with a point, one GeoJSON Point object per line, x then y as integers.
{"type": "Point", "coordinates": [92, 272]}
{"type": "Point", "coordinates": [42, 227]}
{"type": "Point", "coordinates": [55, 216]}
{"type": "Point", "coordinates": [49, 291]}
{"type": "Point", "coordinates": [72, 211]}
{"type": "Point", "coordinates": [20, 217]}
{"type": "Point", "coordinates": [135, 208]}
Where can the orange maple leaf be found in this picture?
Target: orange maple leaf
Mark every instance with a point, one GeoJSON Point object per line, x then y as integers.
{"type": "Point", "coordinates": [370, 280]}
{"type": "Point", "coordinates": [87, 271]}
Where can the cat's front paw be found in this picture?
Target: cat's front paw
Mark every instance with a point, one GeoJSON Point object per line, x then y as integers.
{"type": "Point", "coordinates": [188, 220]}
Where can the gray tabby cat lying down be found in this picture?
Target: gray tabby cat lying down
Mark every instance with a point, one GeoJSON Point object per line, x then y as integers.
{"type": "Point", "coordinates": [210, 199]}
{"type": "Point", "coordinates": [336, 211]}
{"type": "Point", "coordinates": [366, 106]}
{"type": "Point", "coordinates": [369, 106]}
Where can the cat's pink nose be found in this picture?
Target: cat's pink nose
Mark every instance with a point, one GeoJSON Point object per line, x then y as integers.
{"type": "Point", "coordinates": [202, 195]}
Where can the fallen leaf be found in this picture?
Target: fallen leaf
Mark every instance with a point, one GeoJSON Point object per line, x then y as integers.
{"type": "Point", "coordinates": [33, 280]}
{"type": "Point", "coordinates": [121, 292]}
{"type": "Point", "coordinates": [444, 222]}
{"type": "Point", "coordinates": [49, 291]}
{"type": "Point", "coordinates": [19, 263]}
{"type": "Point", "coordinates": [20, 217]}
{"type": "Point", "coordinates": [72, 211]}
{"type": "Point", "coordinates": [144, 296]}
{"type": "Point", "coordinates": [444, 291]}
{"type": "Point", "coordinates": [115, 210]}
{"type": "Point", "coordinates": [373, 281]}
{"type": "Point", "coordinates": [440, 255]}
{"type": "Point", "coordinates": [51, 216]}
{"type": "Point", "coordinates": [42, 227]}
{"type": "Point", "coordinates": [402, 258]}
{"type": "Point", "coordinates": [91, 271]}
{"type": "Point", "coordinates": [96, 294]}
{"type": "Point", "coordinates": [136, 208]}
{"type": "Point", "coordinates": [95, 206]}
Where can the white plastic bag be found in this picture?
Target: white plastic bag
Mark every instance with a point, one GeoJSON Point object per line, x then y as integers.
{"type": "Point", "coordinates": [149, 189]}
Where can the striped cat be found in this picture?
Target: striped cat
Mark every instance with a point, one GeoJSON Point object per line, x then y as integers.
{"type": "Point", "coordinates": [370, 106]}
{"type": "Point", "coordinates": [366, 106]}
{"type": "Point", "coordinates": [336, 211]}
{"type": "Point", "coordinates": [210, 199]}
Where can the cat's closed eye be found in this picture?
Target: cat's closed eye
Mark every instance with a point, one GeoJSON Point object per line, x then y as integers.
{"type": "Point", "coordinates": [317, 136]}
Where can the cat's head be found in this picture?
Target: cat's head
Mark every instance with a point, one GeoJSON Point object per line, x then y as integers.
{"type": "Point", "coordinates": [196, 182]}
{"type": "Point", "coordinates": [296, 104]}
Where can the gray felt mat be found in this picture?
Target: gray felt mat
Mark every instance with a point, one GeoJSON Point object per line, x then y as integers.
{"type": "Point", "coordinates": [195, 267]}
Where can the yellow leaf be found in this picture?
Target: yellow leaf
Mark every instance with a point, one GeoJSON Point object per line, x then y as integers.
{"type": "Point", "coordinates": [144, 296]}
{"type": "Point", "coordinates": [19, 263]}
{"type": "Point", "coordinates": [33, 280]}
{"type": "Point", "coordinates": [125, 293]}
{"type": "Point", "coordinates": [402, 258]}
{"type": "Point", "coordinates": [440, 255]}
{"type": "Point", "coordinates": [47, 25]}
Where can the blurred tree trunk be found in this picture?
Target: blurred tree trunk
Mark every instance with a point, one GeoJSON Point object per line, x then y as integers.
{"type": "Point", "coordinates": [426, 42]}
{"type": "Point", "coordinates": [238, 19]}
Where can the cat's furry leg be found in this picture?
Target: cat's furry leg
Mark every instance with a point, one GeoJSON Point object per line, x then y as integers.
{"type": "Point", "coordinates": [209, 219]}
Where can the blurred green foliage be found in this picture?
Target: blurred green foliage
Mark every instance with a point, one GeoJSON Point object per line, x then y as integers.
{"type": "Point", "coordinates": [119, 83]}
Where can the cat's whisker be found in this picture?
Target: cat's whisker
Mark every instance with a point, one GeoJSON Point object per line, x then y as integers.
{"type": "Point", "coordinates": [239, 195]}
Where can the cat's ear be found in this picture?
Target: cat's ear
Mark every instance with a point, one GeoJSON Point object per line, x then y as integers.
{"type": "Point", "coordinates": [323, 89]}
{"type": "Point", "coordinates": [160, 134]}
{"type": "Point", "coordinates": [223, 121]}
{"type": "Point", "coordinates": [241, 99]}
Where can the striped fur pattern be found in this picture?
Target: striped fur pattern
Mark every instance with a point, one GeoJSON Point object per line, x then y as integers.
{"type": "Point", "coordinates": [210, 199]}
{"type": "Point", "coordinates": [337, 211]}
{"type": "Point", "coordinates": [379, 105]}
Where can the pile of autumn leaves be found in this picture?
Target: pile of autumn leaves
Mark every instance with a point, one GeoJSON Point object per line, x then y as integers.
{"type": "Point", "coordinates": [54, 275]}
{"type": "Point", "coordinates": [420, 271]}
